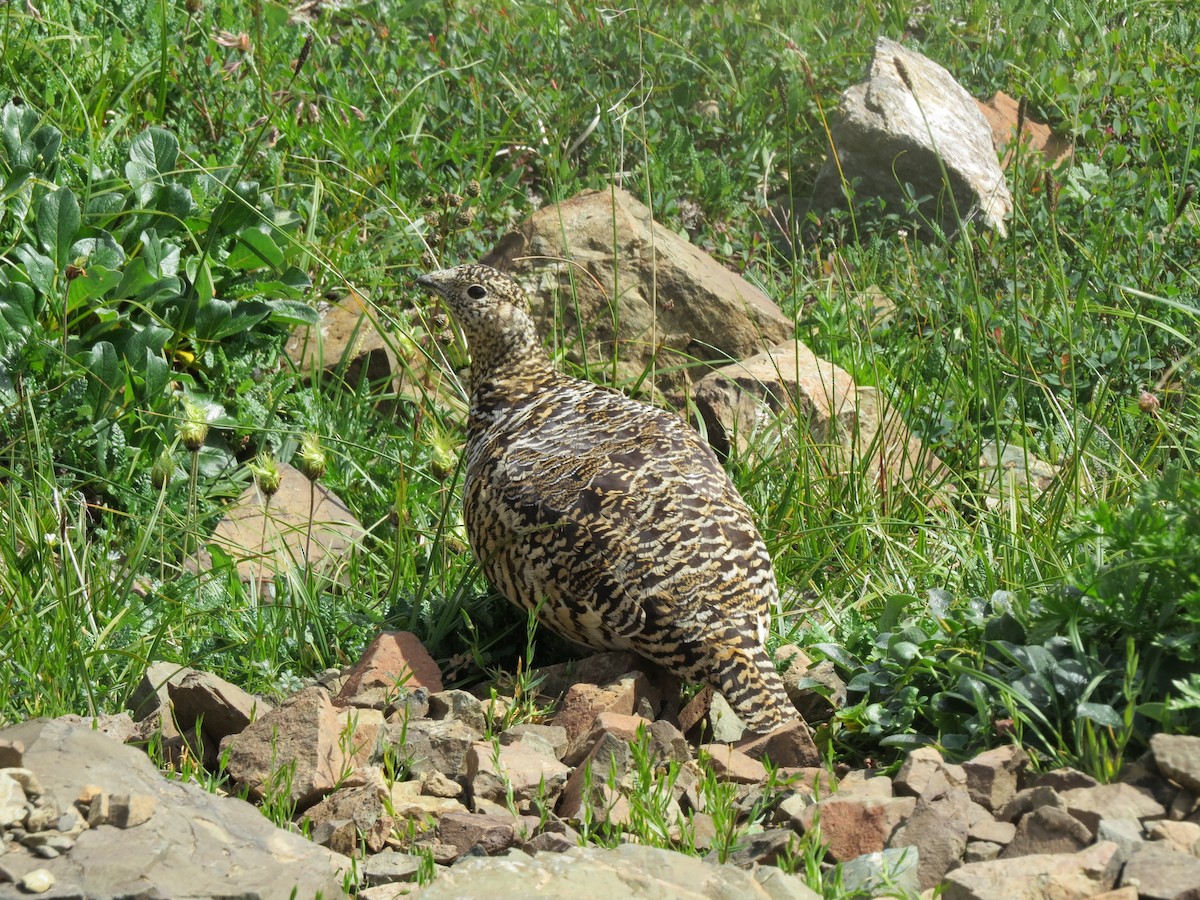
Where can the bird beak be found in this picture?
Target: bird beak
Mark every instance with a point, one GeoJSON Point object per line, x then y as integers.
{"type": "Point", "coordinates": [433, 281]}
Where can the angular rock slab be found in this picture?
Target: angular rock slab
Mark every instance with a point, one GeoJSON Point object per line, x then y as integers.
{"type": "Point", "coordinates": [907, 121]}
{"type": "Point", "coordinates": [195, 844]}
{"type": "Point", "coordinates": [271, 538]}
{"type": "Point", "coordinates": [787, 395]}
{"type": "Point", "coordinates": [629, 872]}
{"type": "Point", "coordinates": [1041, 876]}
{"type": "Point", "coordinates": [599, 265]}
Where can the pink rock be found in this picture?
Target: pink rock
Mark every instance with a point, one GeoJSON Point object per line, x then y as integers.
{"type": "Point", "coordinates": [395, 662]}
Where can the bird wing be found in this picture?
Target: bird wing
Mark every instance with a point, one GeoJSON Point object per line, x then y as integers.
{"type": "Point", "coordinates": [630, 516]}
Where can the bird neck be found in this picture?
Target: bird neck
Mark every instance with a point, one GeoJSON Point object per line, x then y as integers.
{"type": "Point", "coordinates": [507, 364]}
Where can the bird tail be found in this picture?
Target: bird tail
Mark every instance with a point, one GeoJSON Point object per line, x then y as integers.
{"type": "Point", "coordinates": [747, 678]}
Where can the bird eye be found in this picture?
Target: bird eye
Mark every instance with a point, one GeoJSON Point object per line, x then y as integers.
{"type": "Point", "coordinates": [477, 292]}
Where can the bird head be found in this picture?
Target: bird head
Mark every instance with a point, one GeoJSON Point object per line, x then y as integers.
{"type": "Point", "coordinates": [491, 307]}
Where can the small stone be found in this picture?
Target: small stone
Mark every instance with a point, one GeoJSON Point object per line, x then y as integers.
{"type": "Point", "coordinates": [396, 663]}
{"type": "Point", "coordinates": [724, 723]}
{"type": "Point", "coordinates": [12, 753]}
{"type": "Point", "coordinates": [991, 831]}
{"type": "Point", "coordinates": [549, 842]}
{"type": "Point", "coordinates": [130, 810]}
{"type": "Point", "coordinates": [1064, 779]}
{"type": "Point", "coordinates": [426, 746]}
{"type": "Point", "coordinates": [391, 867]}
{"type": "Point", "coordinates": [1125, 833]}
{"type": "Point", "coordinates": [790, 744]}
{"type": "Point", "coordinates": [992, 775]}
{"type": "Point", "coordinates": [463, 831]}
{"type": "Point", "coordinates": [730, 764]}
{"type": "Point", "coordinates": [45, 851]}
{"type": "Point", "coordinates": [1181, 836]}
{"type": "Point", "coordinates": [497, 772]}
{"type": "Point", "coordinates": [98, 810]}
{"type": "Point", "coordinates": [37, 881]}
{"type": "Point", "coordinates": [458, 705]}
{"type": "Point", "coordinates": [1048, 830]}
{"type": "Point", "coordinates": [552, 736]}
{"type": "Point", "coordinates": [43, 814]}
{"type": "Point", "coordinates": [887, 872]}
{"type": "Point", "coordinates": [13, 807]}
{"type": "Point", "coordinates": [1077, 875]}
{"type": "Point", "coordinates": [1178, 757]}
{"type": "Point", "coordinates": [66, 822]}
{"type": "Point", "coordinates": [435, 784]}
{"type": "Point", "coordinates": [1160, 873]}
{"type": "Point", "coordinates": [981, 851]}
{"type": "Point", "coordinates": [761, 848]}
{"type": "Point", "coordinates": [620, 725]}
{"type": "Point", "coordinates": [852, 825]}
{"type": "Point", "coordinates": [1118, 800]}
{"type": "Point", "coordinates": [28, 781]}
{"type": "Point", "coordinates": [1028, 800]}
{"type": "Point", "coordinates": [583, 702]}
{"type": "Point", "coordinates": [863, 784]}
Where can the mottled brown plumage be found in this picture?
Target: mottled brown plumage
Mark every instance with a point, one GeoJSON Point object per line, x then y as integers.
{"type": "Point", "coordinates": [614, 515]}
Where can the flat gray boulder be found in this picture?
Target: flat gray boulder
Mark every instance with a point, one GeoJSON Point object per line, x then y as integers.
{"type": "Point", "coordinates": [629, 871]}
{"type": "Point", "coordinates": [906, 123]}
{"type": "Point", "coordinates": [192, 844]}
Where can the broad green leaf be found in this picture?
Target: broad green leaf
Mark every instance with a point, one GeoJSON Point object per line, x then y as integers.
{"type": "Point", "coordinates": [101, 250]}
{"type": "Point", "coordinates": [253, 250]}
{"type": "Point", "coordinates": [219, 319]}
{"type": "Point", "coordinates": [17, 318]}
{"type": "Point", "coordinates": [57, 224]}
{"type": "Point", "coordinates": [156, 375]}
{"type": "Point", "coordinates": [293, 312]}
{"type": "Point", "coordinates": [156, 148]}
{"type": "Point", "coordinates": [38, 269]}
{"type": "Point", "coordinates": [162, 257]}
{"type": "Point", "coordinates": [96, 283]}
{"type": "Point", "coordinates": [104, 377]}
{"type": "Point", "coordinates": [175, 202]}
{"type": "Point", "coordinates": [152, 154]}
{"type": "Point", "coordinates": [1100, 713]}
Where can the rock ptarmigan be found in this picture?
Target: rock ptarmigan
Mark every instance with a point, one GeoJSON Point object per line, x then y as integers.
{"type": "Point", "coordinates": [612, 518]}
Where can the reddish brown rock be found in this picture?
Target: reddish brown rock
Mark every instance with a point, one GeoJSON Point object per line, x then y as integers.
{"type": "Point", "coordinates": [1039, 142]}
{"type": "Point", "coordinates": [730, 764]}
{"type": "Point", "coordinates": [790, 744]}
{"type": "Point", "coordinates": [395, 662]}
{"type": "Point", "coordinates": [620, 725]}
{"type": "Point", "coordinates": [631, 694]}
{"type": "Point", "coordinates": [852, 826]}
{"type": "Point", "coordinates": [361, 805]}
{"type": "Point", "coordinates": [295, 750]}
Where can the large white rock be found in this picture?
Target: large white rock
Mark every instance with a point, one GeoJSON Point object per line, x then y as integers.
{"type": "Point", "coordinates": [906, 123]}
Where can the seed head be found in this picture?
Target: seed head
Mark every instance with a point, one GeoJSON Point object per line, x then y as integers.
{"type": "Point", "coordinates": [464, 217]}
{"type": "Point", "coordinates": [474, 189]}
{"type": "Point", "coordinates": [452, 200]}
{"type": "Point", "coordinates": [162, 470]}
{"type": "Point", "coordinates": [1148, 403]}
{"type": "Point", "coordinates": [311, 459]}
{"type": "Point", "coordinates": [193, 431]}
{"type": "Point", "coordinates": [266, 473]}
